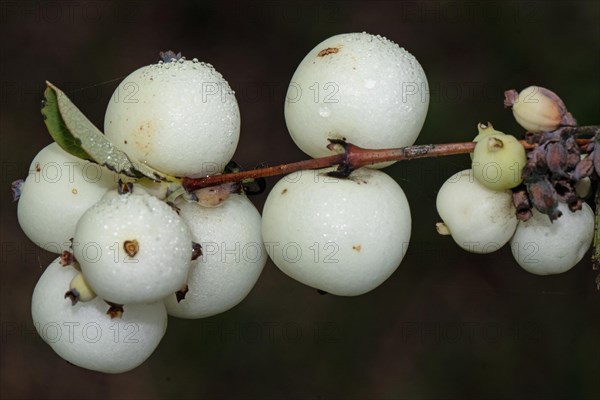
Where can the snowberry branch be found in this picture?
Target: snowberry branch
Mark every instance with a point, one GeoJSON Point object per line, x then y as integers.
{"type": "Point", "coordinates": [352, 157]}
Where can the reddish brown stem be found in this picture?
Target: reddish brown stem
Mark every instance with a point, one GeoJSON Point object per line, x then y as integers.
{"type": "Point", "coordinates": [352, 158]}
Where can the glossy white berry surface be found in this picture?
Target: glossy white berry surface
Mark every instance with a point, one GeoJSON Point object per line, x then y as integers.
{"type": "Point", "coordinates": [480, 220]}
{"type": "Point", "coordinates": [343, 236]}
{"type": "Point", "coordinates": [84, 335]}
{"type": "Point", "coordinates": [360, 87]}
{"type": "Point", "coordinates": [133, 249]}
{"type": "Point", "coordinates": [56, 193]}
{"type": "Point", "coordinates": [233, 257]}
{"type": "Point", "coordinates": [179, 117]}
{"type": "Point", "coordinates": [543, 247]}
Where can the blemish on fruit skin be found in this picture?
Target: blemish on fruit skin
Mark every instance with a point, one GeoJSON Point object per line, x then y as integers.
{"type": "Point", "coordinates": [196, 251]}
{"type": "Point", "coordinates": [180, 294]}
{"type": "Point", "coordinates": [327, 51]}
{"type": "Point", "coordinates": [115, 310]}
{"type": "Point", "coordinates": [143, 137]}
{"type": "Point", "coordinates": [37, 167]}
{"type": "Point", "coordinates": [66, 258]}
{"type": "Point", "coordinates": [284, 191]}
{"type": "Point", "coordinates": [73, 295]}
{"type": "Point", "coordinates": [357, 248]}
{"type": "Point", "coordinates": [131, 247]}
{"type": "Point", "coordinates": [74, 191]}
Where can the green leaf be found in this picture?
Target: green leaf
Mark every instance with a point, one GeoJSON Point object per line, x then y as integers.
{"type": "Point", "coordinates": [57, 128]}
{"type": "Point", "coordinates": [75, 134]}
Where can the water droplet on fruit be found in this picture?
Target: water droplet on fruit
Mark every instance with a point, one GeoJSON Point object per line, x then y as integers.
{"type": "Point", "coordinates": [324, 112]}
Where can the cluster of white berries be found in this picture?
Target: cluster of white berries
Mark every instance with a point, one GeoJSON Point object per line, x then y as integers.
{"type": "Point", "coordinates": [478, 209]}
{"type": "Point", "coordinates": [133, 250]}
{"type": "Point", "coordinates": [131, 253]}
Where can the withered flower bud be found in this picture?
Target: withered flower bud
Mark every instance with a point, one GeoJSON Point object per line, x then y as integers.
{"type": "Point", "coordinates": [538, 109]}
{"type": "Point", "coordinates": [544, 197]}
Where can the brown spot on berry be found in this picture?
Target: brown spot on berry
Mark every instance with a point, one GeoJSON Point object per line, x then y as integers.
{"type": "Point", "coordinates": [131, 247]}
{"type": "Point", "coordinates": [327, 51]}
{"type": "Point", "coordinates": [115, 310]}
{"type": "Point", "coordinates": [37, 167]}
{"type": "Point", "coordinates": [73, 295]}
{"type": "Point", "coordinates": [284, 191]}
{"type": "Point", "coordinates": [143, 137]}
{"type": "Point", "coordinates": [124, 187]}
{"type": "Point", "coordinates": [357, 248]}
{"type": "Point", "coordinates": [74, 191]}
{"type": "Point", "coordinates": [66, 258]}
{"type": "Point", "coordinates": [196, 250]}
{"type": "Point", "coordinates": [180, 294]}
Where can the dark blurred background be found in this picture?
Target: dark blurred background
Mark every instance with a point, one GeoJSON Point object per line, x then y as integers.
{"type": "Point", "coordinates": [447, 324]}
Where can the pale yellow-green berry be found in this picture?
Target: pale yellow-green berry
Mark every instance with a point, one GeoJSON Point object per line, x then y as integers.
{"type": "Point", "coordinates": [583, 188]}
{"type": "Point", "coordinates": [498, 161]}
{"type": "Point", "coordinates": [80, 289]}
{"type": "Point", "coordinates": [484, 130]}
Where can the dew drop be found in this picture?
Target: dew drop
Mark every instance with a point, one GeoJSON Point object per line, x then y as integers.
{"type": "Point", "coordinates": [324, 112]}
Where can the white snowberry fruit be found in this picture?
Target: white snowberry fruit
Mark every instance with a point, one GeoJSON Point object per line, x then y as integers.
{"type": "Point", "coordinates": [59, 189]}
{"type": "Point", "coordinates": [480, 220]}
{"type": "Point", "coordinates": [543, 247]}
{"type": "Point", "coordinates": [233, 256]}
{"type": "Point", "coordinates": [359, 87]}
{"type": "Point", "coordinates": [133, 249]}
{"type": "Point", "coordinates": [179, 117]}
{"type": "Point", "coordinates": [342, 236]}
{"type": "Point", "coordinates": [84, 335]}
